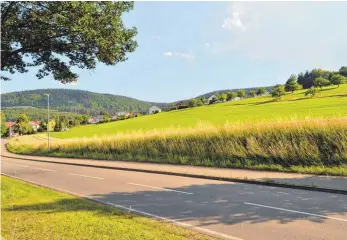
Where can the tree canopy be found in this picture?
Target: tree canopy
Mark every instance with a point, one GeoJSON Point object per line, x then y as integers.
{"type": "Point", "coordinates": [241, 93]}
{"type": "Point", "coordinates": [343, 71]}
{"type": "Point", "coordinates": [278, 91]}
{"type": "Point", "coordinates": [321, 82]}
{"type": "Point", "coordinates": [260, 91]}
{"type": "Point", "coordinates": [56, 36]}
{"type": "Point", "coordinates": [292, 84]}
{"type": "Point", "coordinates": [337, 79]}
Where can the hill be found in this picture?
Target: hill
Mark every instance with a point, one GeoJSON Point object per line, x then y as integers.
{"type": "Point", "coordinates": [12, 113]}
{"type": "Point", "coordinates": [329, 102]}
{"type": "Point", "coordinates": [79, 101]}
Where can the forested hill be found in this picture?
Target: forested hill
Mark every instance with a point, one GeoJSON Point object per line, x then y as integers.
{"type": "Point", "coordinates": [78, 101]}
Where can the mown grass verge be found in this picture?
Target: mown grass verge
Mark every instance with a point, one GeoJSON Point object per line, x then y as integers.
{"type": "Point", "coordinates": [31, 212]}
{"type": "Point", "coordinates": [313, 146]}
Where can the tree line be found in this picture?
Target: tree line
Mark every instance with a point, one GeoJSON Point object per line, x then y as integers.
{"type": "Point", "coordinates": [311, 80]}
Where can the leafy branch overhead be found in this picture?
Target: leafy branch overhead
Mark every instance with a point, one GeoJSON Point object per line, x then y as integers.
{"type": "Point", "coordinates": [56, 36]}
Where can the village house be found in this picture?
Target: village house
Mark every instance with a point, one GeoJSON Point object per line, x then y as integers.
{"type": "Point", "coordinates": [120, 114]}
{"type": "Point", "coordinates": [35, 125]}
{"type": "Point", "coordinates": [154, 109]}
{"type": "Point", "coordinates": [10, 126]}
{"type": "Point", "coordinates": [211, 98]}
{"type": "Point", "coordinates": [92, 121]}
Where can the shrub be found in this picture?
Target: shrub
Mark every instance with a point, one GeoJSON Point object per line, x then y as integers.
{"type": "Point", "coordinates": [312, 91]}
{"type": "Point", "coordinates": [278, 91]}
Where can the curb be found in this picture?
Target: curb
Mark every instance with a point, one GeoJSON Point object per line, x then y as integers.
{"type": "Point", "coordinates": [237, 180]}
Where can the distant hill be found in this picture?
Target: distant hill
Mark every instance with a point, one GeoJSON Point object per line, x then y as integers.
{"type": "Point", "coordinates": [79, 101]}
{"type": "Point", "coordinates": [12, 113]}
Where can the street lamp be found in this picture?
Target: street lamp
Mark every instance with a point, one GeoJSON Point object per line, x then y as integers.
{"type": "Point", "coordinates": [48, 118]}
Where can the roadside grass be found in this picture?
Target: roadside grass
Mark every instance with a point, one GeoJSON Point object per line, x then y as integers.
{"type": "Point", "coordinates": [31, 212]}
{"type": "Point", "coordinates": [330, 102]}
{"type": "Point", "coordinates": [316, 146]}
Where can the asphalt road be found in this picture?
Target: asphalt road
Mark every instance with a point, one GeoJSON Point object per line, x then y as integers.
{"type": "Point", "coordinates": [221, 209]}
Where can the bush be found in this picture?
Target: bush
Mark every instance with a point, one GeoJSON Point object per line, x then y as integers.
{"type": "Point", "coordinates": [182, 107]}
{"type": "Point", "coordinates": [312, 91]}
{"type": "Point", "coordinates": [278, 91]}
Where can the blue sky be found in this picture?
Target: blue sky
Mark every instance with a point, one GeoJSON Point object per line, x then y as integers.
{"type": "Point", "coordinates": [190, 48]}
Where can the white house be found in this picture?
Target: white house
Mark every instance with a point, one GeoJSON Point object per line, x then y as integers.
{"type": "Point", "coordinates": [211, 98]}
{"type": "Point", "coordinates": [99, 118]}
{"type": "Point", "coordinates": [154, 109]}
{"type": "Point", "coordinates": [119, 114]}
{"type": "Point", "coordinates": [235, 99]}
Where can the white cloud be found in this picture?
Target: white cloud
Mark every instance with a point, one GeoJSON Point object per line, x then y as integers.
{"type": "Point", "coordinates": [308, 33]}
{"type": "Point", "coordinates": [168, 54]}
{"type": "Point", "coordinates": [207, 44]}
{"type": "Point", "coordinates": [234, 22]}
{"type": "Point", "coordinates": [184, 55]}
{"type": "Point", "coordinates": [187, 56]}
{"type": "Point", "coordinates": [156, 37]}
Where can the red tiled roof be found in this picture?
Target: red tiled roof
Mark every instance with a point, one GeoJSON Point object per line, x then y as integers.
{"type": "Point", "coordinates": [35, 122]}
{"type": "Point", "coordinates": [9, 124]}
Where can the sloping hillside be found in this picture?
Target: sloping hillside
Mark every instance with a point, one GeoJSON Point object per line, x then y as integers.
{"type": "Point", "coordinates": [330, 102]}
{"type": "Point", "coordinates": [75, 101]}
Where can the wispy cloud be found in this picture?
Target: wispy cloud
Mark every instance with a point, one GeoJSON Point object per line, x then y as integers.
{"type": "Point", "coordinates": [271, 31]}
{"type": "Point", "coordinates": [168, 54]}
{"type": "Point", "coordinates": [184, 55]}
{"type": "Point", "coordinates": [156, 37]}
{"type": "Point", "coordinates": [234, 22]}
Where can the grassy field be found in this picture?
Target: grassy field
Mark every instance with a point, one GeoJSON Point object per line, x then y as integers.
{"type": "Point", "coordinates": [329, 102]}
{"type": "Point", "coordinates": [31, 212]}
{"type": "Point", "coordinates": [316, 146]}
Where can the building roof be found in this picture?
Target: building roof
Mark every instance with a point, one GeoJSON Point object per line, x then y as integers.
{"type": "Point", "coordinates": [10, 124]}
{"type": "Point", "coordinates": [35, 122]}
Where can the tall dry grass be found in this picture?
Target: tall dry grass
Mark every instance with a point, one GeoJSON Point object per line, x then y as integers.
{"type": "Point", "coordinates": [281, 144]}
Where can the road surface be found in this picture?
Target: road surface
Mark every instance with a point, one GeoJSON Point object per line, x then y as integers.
{"type": "Point", "coordinates": [221, 209]}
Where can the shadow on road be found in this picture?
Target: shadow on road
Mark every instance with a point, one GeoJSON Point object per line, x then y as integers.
{"type": "Point", "coordinates": [226, 203]}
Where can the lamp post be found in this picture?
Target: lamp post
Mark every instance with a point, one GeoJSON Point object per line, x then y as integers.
{"type": "Point", "coordinates": [48, 119]}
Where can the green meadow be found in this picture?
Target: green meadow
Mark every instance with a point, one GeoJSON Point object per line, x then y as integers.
{"type": "Point", "coordinates": [329, 102]}
{"type": "Point", "coordinates": [293, 134]}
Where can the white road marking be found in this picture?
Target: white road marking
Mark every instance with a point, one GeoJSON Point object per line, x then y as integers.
{"type": "Point", "coordinates": [186, 225]}
{"type": "Point", "coordinates": [165, 189]}
{"type": "Point", "coordinates": [186, 212]}
{"type": "Point", "coordinates": [22, 165]}
{"type": "Point", "coordinates": [43, 169]}
{"type": "Point", "coordinates": [219, 201]}
{"type": "Point", "coordinates": [86, 176]}
{"type": "Point", "coordinates": [294, 211]}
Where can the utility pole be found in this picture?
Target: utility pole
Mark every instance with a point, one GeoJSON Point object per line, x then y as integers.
{"type": "Point", "coordinates": [48, 120]}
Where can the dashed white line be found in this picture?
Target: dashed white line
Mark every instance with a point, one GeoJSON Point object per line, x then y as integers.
{"type": "Point", "coordinates": [86, 176]}
{"type": "Point", "coordinates": [22, 165]}
{"type": "Point", "coordinates": [294, 211]}
{"type": "Point", "coordinates": [220, 201]}
{"type": "Point", "coordinates": [43, 169]}
{"type": "Point", "coordinates": [165, 189]}
{"type": "Point", "coordinates": [186, 225]}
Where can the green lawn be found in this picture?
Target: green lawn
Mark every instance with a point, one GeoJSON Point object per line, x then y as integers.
{"type": "Point", "coordinates": [329, 102]}
{"type": "Point", "coordinates": [31, 212]}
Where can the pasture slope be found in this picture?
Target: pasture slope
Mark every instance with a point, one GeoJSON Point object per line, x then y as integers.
{"type": "Point", "coordinates": [330, 102]}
